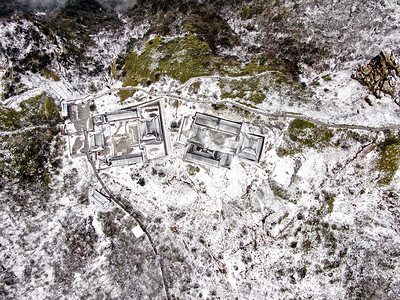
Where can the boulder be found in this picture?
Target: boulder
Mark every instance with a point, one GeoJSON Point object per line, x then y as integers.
{"type": "Point", "coordinates": [381, 75]}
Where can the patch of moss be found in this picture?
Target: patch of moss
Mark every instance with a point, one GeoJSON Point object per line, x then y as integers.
{"type": "Point", "coordinates": [125, 94]}
{"type": "Point", "coordinates": [194, 87]}
{"type": "Point", "coordinates": [389, 158]}
{"type": "Point", "coordinates": [330, 199]}
{"type": "Point", "coordinates": [180, 58]}
{"type": "Point", "coordinates": [50, 74]}
{"type": "Point", "coordinates": [189, 56]}
{"type": "Point", "coordinates": [257, 98]}
{"type": "Point", "coordinates": [192, 170]}
{"type": "Point", "coordinates": [251, 11]}
{"type": "Point", "coordinates": [254, 89]}
{"type": "Point", "coordinates": [114, 70]}
{"type": "Point", "coordinates": [249, 89]}
{"type": "Point", "coordinates": [304, 134]}
{"type": "Point", "coordinates": [231, 66]}
{"type": "Point", "coordinates": [280, 192]}
{"type": "Point", "coordinates": [36, 111]}
{"type": "Point", "coordinates": [269, 62]}
{"type": "Point", "coordinates": [327, 77]}
{"type": "Point", "coordinates": [32, 155]}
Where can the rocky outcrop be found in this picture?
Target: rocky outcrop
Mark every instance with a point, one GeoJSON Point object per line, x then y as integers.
{"type": "Point", "coordinates": [381, 75]}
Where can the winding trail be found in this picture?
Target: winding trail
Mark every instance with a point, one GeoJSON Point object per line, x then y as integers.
{"type": "Point", "coordinates": [282, 114]}
{"type": "Point", "coordinates": [218, 77]}
{"type": "Point", "coordinates": [136, 214]}
{"type": "Point", "coordinates": [138, 217]}
{"type": "Point", "coordinates": [4, 133]}
{"type": "Point", "coordinates": [175, 94]}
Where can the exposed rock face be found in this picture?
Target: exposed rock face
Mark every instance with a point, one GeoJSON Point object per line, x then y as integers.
{"type": "Point", "coordinates": [381, 75]}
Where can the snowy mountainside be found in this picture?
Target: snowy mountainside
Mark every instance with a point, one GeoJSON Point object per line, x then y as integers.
{"type": "Point", "coordinates": [34, 55]}
{"type": "Point", "coordinates": [308, 30]}
{"type": "Point", "coordinates": [316, 218]}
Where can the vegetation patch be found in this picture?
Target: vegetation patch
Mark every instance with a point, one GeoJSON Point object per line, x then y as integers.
{"type": "Point", "coordinates": [231, 66]}
{"type": "Point", "coordinates": [29, 157]}
{"type": "Point", "coordinates": [80, 240]}
{"type": "Point", "coordinates": [246, 89]}
{"type": "Point", "coordinates": [327, 77]}
{"type": "Point", "coordinates": [50, 74]}
{"type": "Point", "coordinates": [304, 134]}
{"type": "Point", "coordinates": [192, 170]}
{"type": "Point", "coordinates": [180, 58]}
{"type": "Point", "coordinates": [211, 27]}
{"type": "Point", "coordinates": [389, 158]}
{"type": "Point", "coordinates": [12, 88]}
{"type": "Point", "coordinates": [280, 192]}
{"type": "Point", "coordinates": [194, 87]}
{"type": "Point", "coordinates": [37, 111]}
{"type": "Point", "coordinates": [125, 94]}
{"type": "Point", "coordinates": [173, 17]}
{"type": "Point", "coordinates": [35, 61]}
{"type": "Point", "coordinates": [255, 88]}
{"type": "Point", "coordinates": [248, 12]}
{"type": "Point", "coordinates": [190, 56]}
{"type": "Point", "coordinates": [76, 30]}
{"type": "Point", "coordinates": [318, 235]}
{"type": "Point", "coordinates": [29, 153]}
{"type": "Point", "coordinates": [218, 106]}
{"type": "Point", "coordinates": [329, 200]}
{"type": "Point", "coordinates": [12, 83]}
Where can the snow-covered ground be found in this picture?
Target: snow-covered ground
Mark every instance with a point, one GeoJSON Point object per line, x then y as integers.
{"type": "Point", "coordinates": [313, 224]}
{"type": "Point", "coordinates": [267, 229]}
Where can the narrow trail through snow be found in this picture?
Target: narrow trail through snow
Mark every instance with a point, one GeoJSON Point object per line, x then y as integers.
{"type": "Point", "coordinates": [275, 115]}
{"type": "Point", "coordinates": [4, 133]}
{"type": "Point", "coordinates": [174, 95]}
{"type": "Point", "coordinates": [138, 217]}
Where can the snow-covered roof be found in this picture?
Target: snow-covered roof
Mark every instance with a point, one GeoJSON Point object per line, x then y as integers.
{"type": "Point", "coordinates": [134, 134]}
{"type": "Point", "coordinates": [217, 123]}
{"type": "Point", "coordinates": [124, 160]}
{"type": "Point", "coordinates": [98, 198]}
{"type": "Point", "coordinates": [138, 231]}
{"type": "Point", "coordinates": [64, 109]}
{"type": "Point", "coordinates": [201, 155]}
{"type": "Point", "coordinates": [214, 141]}
{"type": "Point", "coordinates": [96, 142]}
{"type": "Point", "coordinates": [150, 130]}
{"type": "Point", "coordinates": [251, 147]}
{"type": "Point", "coordinates": [122, 115]}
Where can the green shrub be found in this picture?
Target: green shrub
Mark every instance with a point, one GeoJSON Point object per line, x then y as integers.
{"type": "Point", "coordinates": [50, 74]}
{"type": "Point", "coordinates": [190, 56]}
{"type": "Point", "coordinates": [389, 159]}
{"type": "Point", "coordinates": [32, 154]}
{"type": "Point", "coordinates": [180, 58]}
{"type": "Point", "coordinates": [251, 11]}
{"type": "Point", "coordinates": [304, 134]}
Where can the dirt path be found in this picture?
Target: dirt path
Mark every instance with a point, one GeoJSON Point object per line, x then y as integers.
{"type": "Point", "coordinates": [139, 218]}
{"type": "Point", "coordinates": [4, 133]}
{"type": "Point", "coordinates": [136, 214]}
{"type": "Point", "coordinates": [282, 114]}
